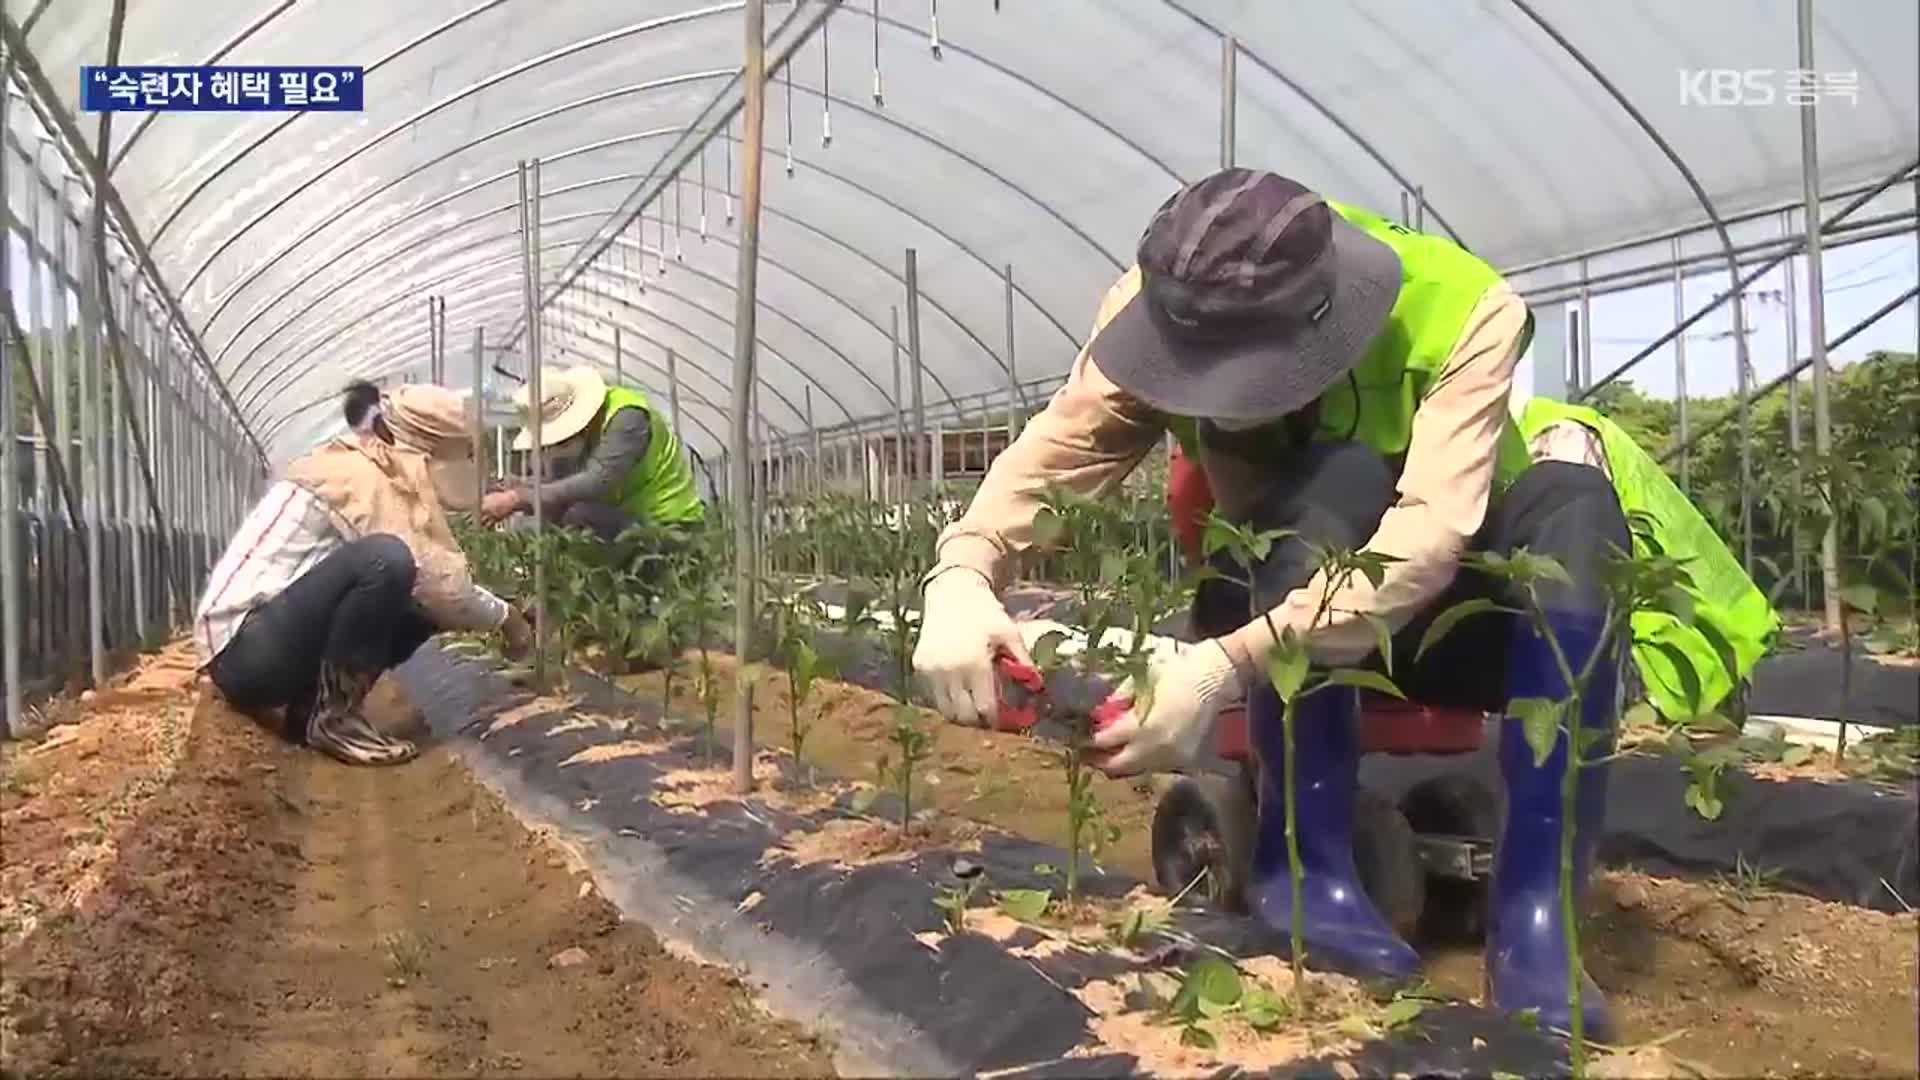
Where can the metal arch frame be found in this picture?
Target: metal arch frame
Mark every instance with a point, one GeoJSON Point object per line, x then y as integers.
{"type": "Point", "coordinates": [794, 219]}
{"type": "Point", "coordinates": [280, 422]}
{"type": "Point", "coordinates": [447, 26]}
{"type": "Point", "coordinates": [400, 126]}
{"type": "Point", "coordinates": [258, 24]}
{"type": "Point", "coordinates": [276, 382]}
{"type": "Point", "coordinates": [362, 280]}
{"type": "Point", "coordinates": [53, 116]}
{"type": "Point", "coordinates": [273, 372]}
{"type": "Point", "coordinates": [234, 290]}
{"type": "Point", "coordinates": [1332, 117]}
{"type": "Point", "coordinates": [798, 324]}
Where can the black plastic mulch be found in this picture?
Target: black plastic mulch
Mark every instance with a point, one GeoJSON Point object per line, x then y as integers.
{"type": "Point", "coordinates": [835, 949]}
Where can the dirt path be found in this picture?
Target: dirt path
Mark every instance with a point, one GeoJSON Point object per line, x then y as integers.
{"type": "Point", "coordinates": [267, 912]}
{"type": "Point", "coordinates": [1748, 981]}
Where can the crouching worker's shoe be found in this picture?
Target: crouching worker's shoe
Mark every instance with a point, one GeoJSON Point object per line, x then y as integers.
{"type": "Point", "coordinates": [1526, 966]}
{"type": "Point", "coordinates": [1340, 926]}
{"type": "Point", "coordinates": [339, 729]}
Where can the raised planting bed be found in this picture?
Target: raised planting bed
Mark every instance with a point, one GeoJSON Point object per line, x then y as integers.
{"type": "Point", "coordinates": [837, 915]}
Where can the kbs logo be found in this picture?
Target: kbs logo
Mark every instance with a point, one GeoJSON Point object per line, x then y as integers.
{"type": "Point", "coordinates": [1765, 86]}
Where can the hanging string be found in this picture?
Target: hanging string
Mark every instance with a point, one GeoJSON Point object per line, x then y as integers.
{"type": "Point", "coordinates": [879, 96]}
{"type": "Point", "coordinates": [786, 75]}
{"type": "Point", "coordinates": [727, 141]}
{"type": "Point", "coordinates": [933, 26]}
{"type": "Point", "coordinates": [662, 253]}
{"type": "Point", "coordinates": [826, 86]}
{"type": "Point", "coordinates": [640, 246]}
{"type": "Point", "coordinates": [679, 197]}
{"type": "Point", "coordinates": [703, 194]}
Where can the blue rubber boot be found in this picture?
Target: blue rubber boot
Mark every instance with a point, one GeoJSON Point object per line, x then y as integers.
{"type": "Point", "coordinates": [1526, 963]}
{"type": "Point", "coordinates": [1340, 927]}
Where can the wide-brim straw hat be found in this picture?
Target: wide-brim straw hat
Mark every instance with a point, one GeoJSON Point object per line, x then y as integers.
{"type": "Point", "coordinates": [569, 400]}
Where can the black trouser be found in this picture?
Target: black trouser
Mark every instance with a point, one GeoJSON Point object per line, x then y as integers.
{"type": "Point", "coordinates": [1335, 495]}
{"type": "Point", "coordinates": [353, 608]}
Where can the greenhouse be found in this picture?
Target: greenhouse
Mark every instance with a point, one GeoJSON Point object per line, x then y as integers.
{"type": "Point", "coordinates": [871, 537]}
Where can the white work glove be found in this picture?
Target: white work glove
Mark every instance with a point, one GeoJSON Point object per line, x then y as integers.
{"type": "Point", "coordinates": [1189, 690]}
{"type": "Point", "coordinates": [962, 627]}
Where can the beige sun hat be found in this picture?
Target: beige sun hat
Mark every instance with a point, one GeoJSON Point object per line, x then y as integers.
{"type": "Point", "coordinates": [570, 398]}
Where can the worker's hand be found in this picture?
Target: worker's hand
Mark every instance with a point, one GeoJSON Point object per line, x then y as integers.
{"type": "Point", "coordinates": [962, 627]}
{"type": "Point", "coordinates": [498, 506]}
{"type": "Point", "coordinates": [1189, 690]}
{"type": "Point", "coordinates": [517, 633]}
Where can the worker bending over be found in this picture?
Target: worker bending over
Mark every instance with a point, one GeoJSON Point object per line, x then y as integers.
{"type": "Point", "coordinates": [343, 568]}
{"type": "Point", "coordinates": [620, 463]}
{"type": "Point", "coordinates": [1338, 375]}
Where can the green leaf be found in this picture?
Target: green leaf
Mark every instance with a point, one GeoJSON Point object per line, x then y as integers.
{"type": "Point", "coordinates": [1365, 680]}
{"type": "Point", "coordinates": [1864, 599]}
{"type": "Point", "coordinates": [1710, 723]}
{"type": "Point", "coordinates": [1641, 715]}
{"type": "Point", "coordinates": [1540, 722]}
{"type": "Point", "coordinates": [1287, 667]}
{"type": "Point", "coordinates": [1355, 1026]}
{"type": "Point", "coordinates": [1218, 535]}
{"type": "Point", "coordinates": [1047, 649]}
{"type": "Point", "coordinates": [1025, 905]}
{"type": "Point", "coordinates": [1403, 1012]}
{"type": "Point", "coordinates": [1045, 869]}
{"type": "Point", "coordinates": [1383, 636]}
{"type": "Point", "coordinates": [1797, 755]}
{"type": "Point", "coordinates": [1047, 527]}
{"type": "Point", "coordinates": [1213, 1010]}
{"type": "Point", "coordinates": [1262, 1009]}
{"type": "Point", "coordinates": [1196, 1036]}
{"type": "Point", "coordinates": [1113, 568]}
{"type": "Point", "coordinates": [1215, 980]}
{"type": "Point", "coordinates": [1528, 1018]}
{"type": "Point", "coordinates": [1445, 622]}
{"type": "Point", "coordinates": [1704, 802]}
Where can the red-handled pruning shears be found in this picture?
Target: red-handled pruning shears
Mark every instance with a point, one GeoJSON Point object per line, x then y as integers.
{"type": "Point", "coordinates": [1022, 691]}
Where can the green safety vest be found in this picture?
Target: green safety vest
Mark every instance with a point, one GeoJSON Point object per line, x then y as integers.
{"type": "Point", "coordinates": [1441, 284]}
{"type": "Point", "coordinates": [1723, 595]}
{"type": "Point", "coordinates": [658, 489]}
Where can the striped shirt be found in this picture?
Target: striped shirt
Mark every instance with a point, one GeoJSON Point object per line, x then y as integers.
{"type": "Point", "coordinates": [286, 534]}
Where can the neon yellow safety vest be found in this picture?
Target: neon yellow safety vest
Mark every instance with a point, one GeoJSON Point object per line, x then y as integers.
{"type": "Point", "coordinates": [658, 489]}
{"type": "Point", "coordinates": [1723, 595]}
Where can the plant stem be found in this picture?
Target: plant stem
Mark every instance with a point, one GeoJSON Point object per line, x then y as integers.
{"type": "Point", "coordinates": [1569, 790]}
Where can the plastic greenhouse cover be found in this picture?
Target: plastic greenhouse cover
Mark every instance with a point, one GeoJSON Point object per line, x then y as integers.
{"type": "Point", "coordinates": [1042, 136]}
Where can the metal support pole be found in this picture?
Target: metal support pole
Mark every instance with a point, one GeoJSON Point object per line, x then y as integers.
{"type": "Point", "coordinates": [816, 468]}
{"type": "Point", "coordinates": [1229, 92]}
{"type": "Point", "coordinates": [1817, 321]}
{"type": "Point", "coordinates": [479, 416]}
{"type": "Point", "coordinates": [920, 461]}
{"type": "Point", "coordinates": [1013, 379]}
{"type": "Point", "coordinates": [92, 497]}
{"type": "Point", "coordinates": [754, 82]}
{"type": "Point", "coordinates": [1790, 305]}
{"type": "Point", "coordinates": [1680, 371]}
{"type": "Point", "coordinates": [1583, 373]}
{"type": "Point", "coordinates": [530, 287]}
{"type": "Point", "coordinates": [898, 488]}
{"type": "Point", "coordinates": [12, 572]}
{"type": "Point", "coordinates": [673, 397]}
{"type": "Point", "coordinates": [1419, 208]}
{"type": "Point", "coordinates": [619, 376]}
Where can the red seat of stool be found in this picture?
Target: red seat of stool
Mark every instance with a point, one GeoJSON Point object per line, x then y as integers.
{"type": "Point", "coordinates": [1387, 726]}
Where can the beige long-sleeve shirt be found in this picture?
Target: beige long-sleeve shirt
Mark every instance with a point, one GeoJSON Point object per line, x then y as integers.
{"type": "Point", "coordinates": [1092, 434]}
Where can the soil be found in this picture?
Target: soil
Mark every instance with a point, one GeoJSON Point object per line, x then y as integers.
{"type": "Point", "coordinates": [1745, 982]}
{"type": "Point", "coordinates": [183, 894]}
